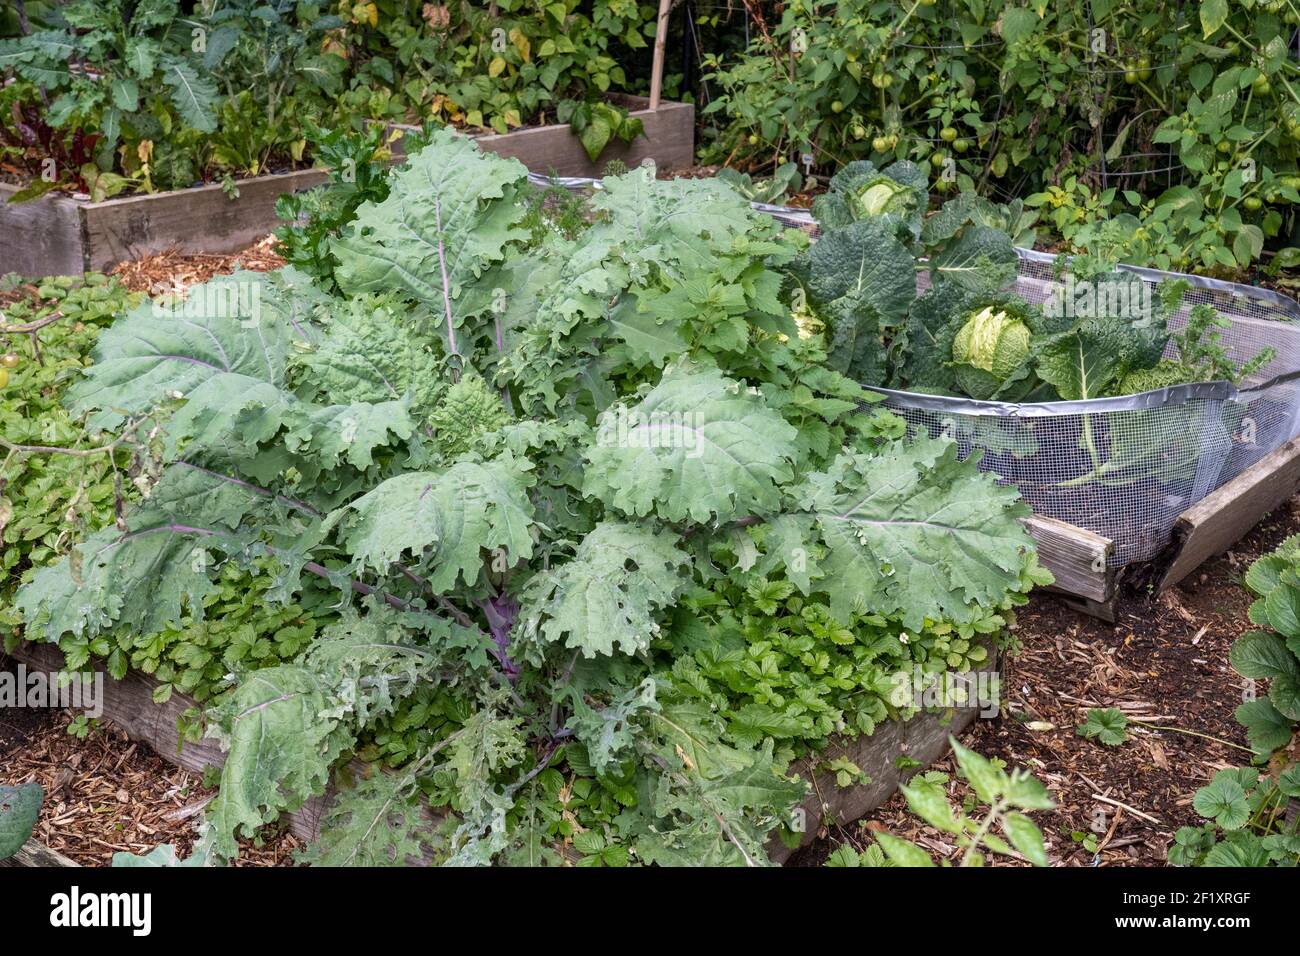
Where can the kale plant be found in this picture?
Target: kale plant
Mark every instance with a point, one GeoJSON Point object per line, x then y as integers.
{"type": "Point", "coordinates": [541, 470]}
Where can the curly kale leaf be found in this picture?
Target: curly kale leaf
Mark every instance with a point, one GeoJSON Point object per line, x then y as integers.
{"type": "Point", "coordinates": [698, 446]}
{"type": "Point", "coordinates": [443, 519]}
{"type": "Point", "coordinates": [285, 727]}
{"type": "Point", "coordinates": [451, 212]}
{"type": "Point", "coordinates": [707, 803]}
{"type": "Point", "coordinates": [143, 578]}
{"type": "Point", "coordinates": [913, 531]}
{"type": "Point", "coordinates": [667, 269]}
{"type": "Point", "coordinates": [282, 743]}
{"type": "Point", "coordinates": [370, 352]}
{"type": "Point", "coordinates": [243, 324]}
{"type": "Point", "coordinates": [621, 575]}
{"type": "Point", "coordinates": [379, 821]}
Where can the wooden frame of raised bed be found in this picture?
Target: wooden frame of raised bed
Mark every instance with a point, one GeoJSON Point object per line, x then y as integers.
{"type": "Point", "coordinates": [68, 235]}
{"type": "Point", "coordinates": [129, 704]}
{"type": "Point", "coordinates": [553, 149]}
{"type": "Point", "coordinates": [1080, 559]}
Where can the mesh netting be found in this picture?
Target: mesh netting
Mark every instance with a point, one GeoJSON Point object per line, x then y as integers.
{"type": "Point", "coordinates": [1127, 467]}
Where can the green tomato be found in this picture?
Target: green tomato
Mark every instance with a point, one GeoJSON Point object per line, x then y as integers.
{"type": "Point", "coordinates": [1223, 146]}
{"type": "Point", "coordinates": [947, 134]}
{"type": "Point", "coordinates": [1252, 203]}
{"type": "Point", "coordinates": [880, 144]}
{"type": "Point", "coordinates": [1261, 85]}
{"type": "Point", "coordinates": [858, 130]}
{"type": "Point", "coordinates": [961, 145]}
{"type": "Point", "coordinates": [937, 159]}
{"type": "Point", "coordinates": [9, 360]}
{"type": "Point", "coordinates": [1130, 76]}
{"type": "Point", "coordinates": [4, 377]}
{"type": "Point", "coordinates": [753, 139]}
{"type": "Point", "coordinates": [927, 3]}
{"type": "Point", "coordinates": [837, 107]}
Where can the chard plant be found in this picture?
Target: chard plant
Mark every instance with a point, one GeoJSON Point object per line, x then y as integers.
{"type": "Point", "coordinates": [557, 478]}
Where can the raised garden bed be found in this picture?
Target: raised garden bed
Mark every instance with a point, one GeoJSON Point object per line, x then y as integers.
{"type": "Point", "coordinates": [1079, 558]}
{"type": "Point", "coordinates": [129, 704]}
{"type": "Point", "coordinates": [669, 141]}
{"type": "Point", "coordinates": [67, 235]}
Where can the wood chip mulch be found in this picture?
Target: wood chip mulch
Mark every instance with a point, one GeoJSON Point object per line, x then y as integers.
{"type": "Point", "coordinates": [1164, 664]}
{"type": "Point", "coordinates": [106, 794]}
{"type": "Point", "coordinates": [170, 270]}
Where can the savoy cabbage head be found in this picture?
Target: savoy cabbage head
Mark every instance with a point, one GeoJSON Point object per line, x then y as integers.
{"type": "Point", "coordinates": [898, 194]}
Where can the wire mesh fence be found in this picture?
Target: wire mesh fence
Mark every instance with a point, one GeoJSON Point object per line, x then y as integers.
{"type": "Point", "coordinates": [1127, 467]}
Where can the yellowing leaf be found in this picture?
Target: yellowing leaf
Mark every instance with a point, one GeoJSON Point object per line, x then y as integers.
{"type": "Point", "coordinates": [497, 66]}
{"type": "Point", "coordinates": [512, 118]}
{"type": "Point", "coordinates": [522, 44]}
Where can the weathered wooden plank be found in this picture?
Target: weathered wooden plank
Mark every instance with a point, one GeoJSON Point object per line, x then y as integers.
{"type": "Point", "coordinates": [42, 237]}
{"type": "Point", "coordinates": [1104, 610]}
{"type": "Point", "coordinates": [1078, 559]}
{"type": "Point", "coordinates": [66, 235]}
{"type": "Point", "coordinates": [669, 140]}
{"type": "Point", "coordinates": [924, 739]}
{"type": "Point", "coordinates": [1220, 519]}
{"type": "Point", "coordinates": [202, 219]}
{"type": "Point", "coordinates": [35, 853]}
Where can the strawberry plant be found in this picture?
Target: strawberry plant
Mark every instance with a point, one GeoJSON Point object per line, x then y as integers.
{"type": "Point", "coordinates": [539, 470]}
{"type": "Point", "coordinates": [1246, 808]}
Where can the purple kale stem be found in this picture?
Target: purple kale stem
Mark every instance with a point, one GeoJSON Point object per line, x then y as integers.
{"type": "Point", "coordinates": [361, 588]}
{"type": "Point", "coordinates": [501, 612]}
